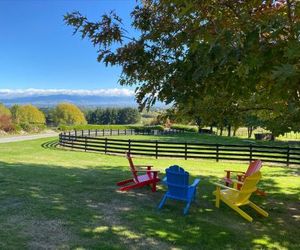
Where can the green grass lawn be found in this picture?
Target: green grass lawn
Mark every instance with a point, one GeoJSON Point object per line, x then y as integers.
{"type": "Point", "coordinates": [57, 199]}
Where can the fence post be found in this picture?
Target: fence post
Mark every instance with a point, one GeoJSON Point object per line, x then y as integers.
{"type": "Point", "coordinates": [103, 132]}
{"type": "Point", "coordinates": [125, 132]}
{"type": "Point", "coordinates": [156, 149]}
{"type": "Point", "coordinates": [72, 146]}
{"type": "Point", "coordinates": [105, 146]}
{"type": "Point", "coordinates": [60, 139]}
{"type": "Point", "coordinates": [288, 156]}
{"type": "Point", "coordinates": [129, 144]}
{"type": "Point", "coordinates": [89, 132]}
{"type": "Point", "coordinates": [118, 131]}
{"type": "Point", "coordinates": [250, 148]}
{"type": "Point", "coordinates": [85, 144]}
{"type": "Point", "coordinates": [110, 131]}
{"type": "Point", "coordinates": [96, 132]}
{"type": "Point", "coordinates": [217, 152]}
{"type": "Point", "coordinates": [82, 133]}
{"type": "Point", "coordinates": [185, 151]}
{"type": "Point", "coordinates": [75, 133]}
{"type": "Point", "coordinates": [131, 131]}
{"type": "Point", "coordinates": [69, 136]}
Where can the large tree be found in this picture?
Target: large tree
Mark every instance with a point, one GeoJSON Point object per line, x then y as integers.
{"type": "Point", "coordinates": [68, 114]}
{"type": "Point", "coordinates": [242, 53]}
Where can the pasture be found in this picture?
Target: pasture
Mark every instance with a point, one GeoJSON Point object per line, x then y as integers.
{"type": "Point", "coordinates": [52, 198]}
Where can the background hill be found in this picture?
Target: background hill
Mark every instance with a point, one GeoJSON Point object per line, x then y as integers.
{"type": "Point", "coordinates": [81, 100]}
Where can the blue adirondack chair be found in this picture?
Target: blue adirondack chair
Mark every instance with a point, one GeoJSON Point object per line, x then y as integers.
{"type": "Point", "coordinates": [177, 181]}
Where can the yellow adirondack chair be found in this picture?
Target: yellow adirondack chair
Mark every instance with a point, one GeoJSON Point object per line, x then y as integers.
{"type": "Point", "coordinates": [235, 198]}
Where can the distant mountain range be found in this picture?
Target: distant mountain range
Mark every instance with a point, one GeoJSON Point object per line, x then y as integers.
{"type": "Point", "coordinates": [80, 100]}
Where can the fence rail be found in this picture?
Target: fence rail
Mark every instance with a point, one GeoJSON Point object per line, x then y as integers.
{"type": "Point", "coordinates": [90, 141]}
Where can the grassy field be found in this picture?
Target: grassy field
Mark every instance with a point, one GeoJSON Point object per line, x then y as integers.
{"type": "Point", "coordinates": [52, 198]}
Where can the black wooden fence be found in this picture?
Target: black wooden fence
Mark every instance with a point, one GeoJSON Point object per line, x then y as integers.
{"type": "Point", "coordinates": [88, 141]}
{"type": "Point", "coordinates": [111, 132]}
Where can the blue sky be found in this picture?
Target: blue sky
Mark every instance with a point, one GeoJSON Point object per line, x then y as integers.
{"type": "Point", "coordinates": [37, 50]}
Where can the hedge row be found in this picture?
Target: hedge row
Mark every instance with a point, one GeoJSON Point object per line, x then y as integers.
{"type": "Point", "coordinates": [94, 127]}
{"type": "Point", "coordinates": [184, 127]}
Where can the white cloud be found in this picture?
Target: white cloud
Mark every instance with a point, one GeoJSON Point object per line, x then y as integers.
{"type": "Point", "coordinates": [13, 93]}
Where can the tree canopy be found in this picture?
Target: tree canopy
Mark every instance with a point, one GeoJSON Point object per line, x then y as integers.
{"type": "Point", "coordinates": [242, 56]}
{"type": "Point", "coordinates": [29, 114]}
{"type": "Point", "coordinates": [4, 110]}
{"type": "Point", "coordinates": [113, 116]}
{"type": "Point", "coordinates": [68, 114]}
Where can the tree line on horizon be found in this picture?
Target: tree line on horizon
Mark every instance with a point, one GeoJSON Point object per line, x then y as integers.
{"type": "Point", "coordinates": [30, 118]}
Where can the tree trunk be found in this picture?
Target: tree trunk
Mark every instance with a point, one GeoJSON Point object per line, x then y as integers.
{"type": "Point", "coordinates": [234, 131]}
{"type": "Point", "coordinates": [221, 131]}
{"type": "Point", "coordinates": [250, 130]}
{"type": "Point", "coordinates": [229, 130]}
{"type": "Point", "coordinates": [211, 129]}
{"type": "Point", "coordinates": [199, 123]}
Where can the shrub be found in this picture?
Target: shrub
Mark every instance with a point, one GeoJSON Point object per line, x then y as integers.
{"type": "Point", "coordinates": [148, 128]}
{"type": "Point", "coordinates": [32, 127]}
{"type": "Point", "coordinates": [184, 127]}
{"type": "Point", "coordinates": [68, 114]}
{"type": "Point", "coordinates": [6, 123]}
{"type": "Point", "coordinates": [5, 119]}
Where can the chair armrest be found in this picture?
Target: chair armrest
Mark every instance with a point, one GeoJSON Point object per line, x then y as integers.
{"type": "Point", "coordinates": [144, 166]}
{"type": "Point", "coordinates": [226, 187]}
{"type": "Point", "coordinates": [147, 171]}
{"type": "Point", "coordinates": [141, 166]}
{"type": "Point", "coordinates": [234, 171]}
{"type": "Point", "coordinates": [195, 183]}
{"type": "Point", "coordinates": [165, 180]}
{"type": "Point", "coordinates": [238, 182]}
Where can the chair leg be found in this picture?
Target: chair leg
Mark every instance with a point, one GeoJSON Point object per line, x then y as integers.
{"type": "Point", "coordinates": [187, 207]}
{"type": "Point", "coordinates": [162, 203]}
{"type": "Point", "coordinates": [258, 209]}
{"type": "Point", "coordinates": [194, 196]}
{"type": "Point", "coordinates": [153, 187]}
{"type": "Point", "coordinates": [218, 197]}
{"type": "Point", "coordinates": [260, 192]}
{"type": "Point", "coordinates": [240, 211]}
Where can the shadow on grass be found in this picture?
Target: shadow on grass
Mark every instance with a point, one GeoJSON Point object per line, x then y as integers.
{"type": "Point", "coordinates": [51, 144]}
{"type": "Point", "coordinates": [56, 207]}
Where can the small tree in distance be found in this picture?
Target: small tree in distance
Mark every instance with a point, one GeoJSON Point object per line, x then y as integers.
{"type": "Point", "coordinates": [68, 114]}
{"type": "Point", "coordinates": [5, 119]}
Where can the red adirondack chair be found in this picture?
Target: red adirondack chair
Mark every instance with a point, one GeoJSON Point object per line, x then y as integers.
{"type": "Point", "coordinates": [253, 167]}
{"type": "Point", "coordinates": [150, 177]}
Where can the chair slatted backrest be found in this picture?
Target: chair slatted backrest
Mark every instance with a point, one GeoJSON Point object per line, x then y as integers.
{"type": "Point", "coordinates": [177, 181]}
{"type": "Point", "coordinates": [132, 167]}
{"type": "Point", "coordinates": [248, 187]}
{"type": "Point", "coordinates": [254, 167]}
